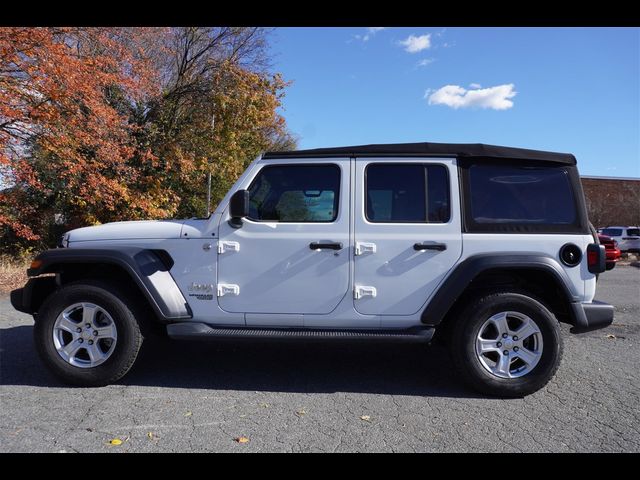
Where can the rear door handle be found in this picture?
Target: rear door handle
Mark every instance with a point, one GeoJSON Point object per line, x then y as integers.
{"type": "Point", "coordinates": [430, 246]}
{"type": "Point", "coordinates": [327, 245]}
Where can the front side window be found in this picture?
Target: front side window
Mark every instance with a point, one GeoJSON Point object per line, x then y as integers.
{"type": "Point", "coordinates": [505, 194]}
{"type": "Point", "coordinates": [407, 193]}
{"type": "Point", "coordinates": [295, 193]}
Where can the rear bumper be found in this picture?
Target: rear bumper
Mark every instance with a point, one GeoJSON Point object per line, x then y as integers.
{"type": "Point", "coordinates": [591, 316]}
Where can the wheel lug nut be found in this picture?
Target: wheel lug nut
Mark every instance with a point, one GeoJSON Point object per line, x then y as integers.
{"type": "Point", "coordinates": [515, 337]}
{"type": "Point", "coordinates": [95, 333]}
{"type": "Point", "coordinates": [78, 330]}
{"type": "Point", "coordinates": [506, 352]}
{"type": "Point", "coordinates": [515, 349]}
{"type": "Point", "coordinates": [88, 325]}
{"type": "Point", "coordinates": [80, 340]}
{"type": "Point", "coordinates": [504, 335]}
{"type": "Point", "coordinates": [499, 344]}
{"type": "Point", "coordinates": [90, 342]}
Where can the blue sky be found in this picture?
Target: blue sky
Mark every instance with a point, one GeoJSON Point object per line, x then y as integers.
{"type": "Point", "coordinates": [564, 89]}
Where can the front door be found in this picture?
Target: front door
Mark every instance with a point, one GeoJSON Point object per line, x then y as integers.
{"type": "Point", "coordinates": [291, 255]}
{"type": "Point", "coordinates": [407, 232]}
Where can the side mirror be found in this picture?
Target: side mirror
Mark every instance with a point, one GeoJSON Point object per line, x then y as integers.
{"type": "Point", "coordinates": [238, 207]}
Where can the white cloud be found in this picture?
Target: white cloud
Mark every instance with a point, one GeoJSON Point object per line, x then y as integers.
{"type": "Point", "coordinates": [413, 44]}
{"type": "Point", "coordinates": [425, 62]}
{"type": "Point", "coordinates": [455, 96]}
{"type": "Point", "coordinates": [475, 85]}
{"type": "Point", "coordinates": [371, 31]}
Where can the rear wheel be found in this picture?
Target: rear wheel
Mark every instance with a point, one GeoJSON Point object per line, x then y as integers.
{"type": "Point", "coordinates": [506, 344]}
{"type": "Point", "coordinates": [87, 333]}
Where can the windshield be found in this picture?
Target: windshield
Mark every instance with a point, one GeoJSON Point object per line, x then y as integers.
{"type": "Point", "coordinates": [612, 232]}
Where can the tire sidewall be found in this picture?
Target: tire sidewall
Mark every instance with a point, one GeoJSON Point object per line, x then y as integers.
{"type": "Point", "coordinates": [127, 344]}
{"type": "Point", "coordinates": [477, 314]}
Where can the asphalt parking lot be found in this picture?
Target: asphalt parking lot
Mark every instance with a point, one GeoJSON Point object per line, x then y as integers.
{"type": "Point", "coordinates": [293, 397]}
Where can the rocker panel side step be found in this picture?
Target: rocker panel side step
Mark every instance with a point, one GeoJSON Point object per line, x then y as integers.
{"type": "Point", "coordinates": [202, 331]}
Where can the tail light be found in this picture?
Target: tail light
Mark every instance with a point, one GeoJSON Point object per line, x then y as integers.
{"type": "Point", "coordinates": [596, 258]}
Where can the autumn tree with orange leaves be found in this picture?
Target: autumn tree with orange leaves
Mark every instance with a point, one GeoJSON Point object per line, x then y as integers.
{"type": "Point", "coordinates": [107, 124]}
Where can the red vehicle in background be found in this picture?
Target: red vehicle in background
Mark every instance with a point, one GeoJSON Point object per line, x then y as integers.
{"type": "Point", "coordinates": [612, 250]}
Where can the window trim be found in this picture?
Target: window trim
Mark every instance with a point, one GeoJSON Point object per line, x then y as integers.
{"type": "Point", "coordinates": [469, 225]}
{"type": "Point", "coordinates": [336, 201]}
{"type": "Point", "coordinates": [424, 165]}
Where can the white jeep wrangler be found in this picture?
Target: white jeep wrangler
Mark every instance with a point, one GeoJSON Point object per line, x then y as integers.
{"type": "Point", "coordinates": [486, 247]}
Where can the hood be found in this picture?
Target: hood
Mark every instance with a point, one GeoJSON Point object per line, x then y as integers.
{"type": "Point", "coordinates": [145, 229]}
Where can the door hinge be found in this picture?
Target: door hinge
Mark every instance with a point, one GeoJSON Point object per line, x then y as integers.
{"type": "Point", "coordinates": [228, 289]}
{"type": "Point", "coordinates": [364, 291]}
{"type": "Point", "coordinates": [228, 247]}
{"type": "Point", "coordinates": [365, 247]}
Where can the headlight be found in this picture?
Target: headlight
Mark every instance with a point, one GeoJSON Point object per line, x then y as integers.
{"type": "Point", "coordinates": [64, 241]}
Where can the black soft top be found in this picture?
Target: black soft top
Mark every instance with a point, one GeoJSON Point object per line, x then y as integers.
{"type": "Point", "coordinates": [467, 150]}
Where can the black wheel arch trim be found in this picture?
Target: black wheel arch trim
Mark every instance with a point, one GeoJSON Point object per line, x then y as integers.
{"type": "Point", "coordinates": [459, 279]}
{"type": "Point", "coordinates": [149, 269]}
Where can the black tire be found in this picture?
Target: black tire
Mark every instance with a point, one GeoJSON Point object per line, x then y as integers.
{"type": "Point", "coordinates": [124, 312]}
{"type": "Point", "coordinates": [463, 345]}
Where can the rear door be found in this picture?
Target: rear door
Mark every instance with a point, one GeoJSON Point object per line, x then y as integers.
{"type": "Point", "coordinates": [407, 232]}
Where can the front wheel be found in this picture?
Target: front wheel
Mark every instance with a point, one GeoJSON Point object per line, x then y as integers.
{"type": "Point", "coordinates": [87, 334]}
{"type": "Point", "coordinates": [506, 344]}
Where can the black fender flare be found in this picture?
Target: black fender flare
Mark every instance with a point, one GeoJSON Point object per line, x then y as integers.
{"type": "Point", "coordinates": [149, 269]}
{"type": "Point", "coordinates": [460, 278]}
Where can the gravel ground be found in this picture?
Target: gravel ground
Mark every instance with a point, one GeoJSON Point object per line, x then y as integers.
{"type": "Point", "coordinates": [292, 397]}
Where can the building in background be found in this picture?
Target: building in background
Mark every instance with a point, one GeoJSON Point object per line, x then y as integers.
{"type": "Point", "coordinates": [612, 200]}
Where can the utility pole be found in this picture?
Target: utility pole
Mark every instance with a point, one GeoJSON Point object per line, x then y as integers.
{"type": "Point", "coordinates": [209, 162]}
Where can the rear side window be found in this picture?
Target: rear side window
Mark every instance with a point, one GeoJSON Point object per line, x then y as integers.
{"type": "Point", "coordinates": [634, 232]}
{"type": "Point", "coordinates": [612, 232]}
{"type": "Point", "coordinates": [295, 193]}
{"type": "Point", "coordinates": [407, 193]}
{"type": "Point", "coordinates": [514, 195]}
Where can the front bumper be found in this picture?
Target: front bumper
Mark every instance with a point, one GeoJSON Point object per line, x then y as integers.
{"type": "Point", "coordinates": [18, 300]}
{"type": "Point", "coordinates": [591, 316]}
{"type": "Point", "coordinates": [29, 298]}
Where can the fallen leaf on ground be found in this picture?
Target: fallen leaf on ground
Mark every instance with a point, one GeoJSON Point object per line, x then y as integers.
{"type": "Point", "coordinates": [301, 412]}
{"type": "Point", "coordinates": [365, 418]}
{"type": "Point", "coordinates": [151, 435]}
{"type": "Point", "coordinates": [188, 414]}
{"type": "Point", "coordinates": [611, 336]}
{"type": "Point", "coordinates": [264, 405]}
{"type": "Point", "coordinates": [242, 440]}
{"type": "Point", "coordinates": [115, 441]}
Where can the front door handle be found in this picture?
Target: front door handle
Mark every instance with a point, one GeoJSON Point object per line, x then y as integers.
{"type": "Point", "coordinates": [430, 246]}
{"type": "Point", "coordinates": [327, 245]}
